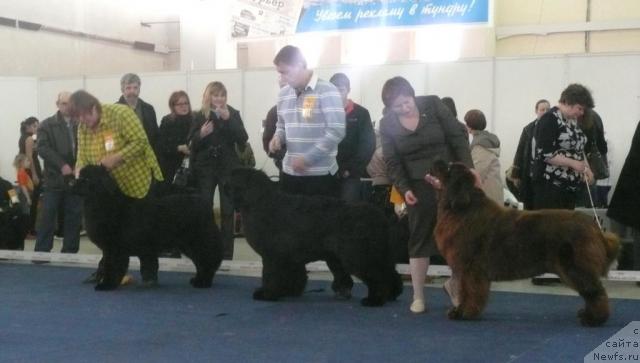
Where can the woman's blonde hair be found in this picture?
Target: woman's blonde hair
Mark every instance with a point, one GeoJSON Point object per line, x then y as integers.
{"type": "Point", "coordinates": [211, 89]}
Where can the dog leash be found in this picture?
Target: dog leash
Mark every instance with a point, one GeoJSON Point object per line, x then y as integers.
{"type": "Point", "coordinates": [593, 207]}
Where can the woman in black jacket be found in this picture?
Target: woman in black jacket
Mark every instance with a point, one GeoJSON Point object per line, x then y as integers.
{"type": "Point", "coordinates": [416, 131]}
{"type": "Point", "coordinates": [216, 131]}
{"type": "Point", "coordinates": [174, 133]}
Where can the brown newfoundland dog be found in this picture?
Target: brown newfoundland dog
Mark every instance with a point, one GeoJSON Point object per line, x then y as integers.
{"type": "Point", "coordinates": [483, 242]}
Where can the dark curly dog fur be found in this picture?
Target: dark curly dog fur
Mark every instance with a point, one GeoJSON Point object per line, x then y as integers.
{"type": "Point", "coordinates": [14, 225]}
{"type": "Point", "coordinates": [289, 231]}
{"type": "Point", "coordinates": [483, 242]}
{"type": "Point", "coordinates": [121, 227]}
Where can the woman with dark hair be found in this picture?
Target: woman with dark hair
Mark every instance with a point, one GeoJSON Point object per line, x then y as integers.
{"type": "Point", "coordinates": [27, 145]}
{"type": "Point", "coordinates": [216, 131]}
{"type": "Point", "coordinates": [559, 168]}
{"type": "Point", "coordinates": [415, 132]}
{"type": "Point", "coordinates": [560, 146]}
{"type": "Point", "coordinates": [173, 134]}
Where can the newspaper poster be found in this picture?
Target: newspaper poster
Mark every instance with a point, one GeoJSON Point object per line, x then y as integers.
{"type": "Point", "coordinates": [264, 18]}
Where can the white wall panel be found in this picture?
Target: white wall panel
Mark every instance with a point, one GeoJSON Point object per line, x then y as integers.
{"type": "Point", "coordinates": [19, 100]}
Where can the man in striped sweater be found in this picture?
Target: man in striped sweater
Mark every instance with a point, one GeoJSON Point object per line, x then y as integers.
{"type": "Point", "coordinates": [311, 122]}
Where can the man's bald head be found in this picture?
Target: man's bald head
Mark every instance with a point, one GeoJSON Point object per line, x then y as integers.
{"type": "Point", "coordinates": [63, 103]}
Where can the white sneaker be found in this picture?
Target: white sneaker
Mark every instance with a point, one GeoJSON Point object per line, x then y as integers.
{"type": "Point", "coordinates": [417, 306]}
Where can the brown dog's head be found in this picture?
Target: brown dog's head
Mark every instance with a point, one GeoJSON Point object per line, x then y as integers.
{"type": "Point", "coordinates": [456, 184]}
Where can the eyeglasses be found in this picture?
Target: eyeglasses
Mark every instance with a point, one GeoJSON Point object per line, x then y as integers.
{"type": "Point", "coordinates": [182, 104]}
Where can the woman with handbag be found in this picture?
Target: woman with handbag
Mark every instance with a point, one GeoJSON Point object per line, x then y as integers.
{"type": "Point", "coordinates": [560, 150]}
{"type": "Point", "coordinates": [415, 132]}
{"type": "Point", "coordinates": [173, 133]}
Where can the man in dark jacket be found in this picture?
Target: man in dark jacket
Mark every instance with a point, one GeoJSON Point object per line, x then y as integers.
{"type": "Point", "coordinates": [522, 172]}
{"type": "Point", "coordinates": [130, 87]}
{"type": "Point", "coordinates": [625, 200]}
{"type": "Point", "coordinates": [57, 145]}
{"type": "Point", "coordinates": [359, 143]}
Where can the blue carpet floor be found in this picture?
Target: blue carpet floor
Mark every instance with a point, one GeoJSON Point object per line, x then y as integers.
{"type": "Point", "coordinates": [47, 315]}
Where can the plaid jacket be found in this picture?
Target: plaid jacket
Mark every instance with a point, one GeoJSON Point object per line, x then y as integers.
{"type": "Point", "coordinates": [119, 130]}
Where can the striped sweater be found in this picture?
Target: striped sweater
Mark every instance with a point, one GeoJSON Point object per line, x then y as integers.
{"type": "Point", "coordinates": [311, 124]}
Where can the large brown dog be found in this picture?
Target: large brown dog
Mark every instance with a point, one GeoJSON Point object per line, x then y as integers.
{"type": "Point", "coordinates": [483, 242]}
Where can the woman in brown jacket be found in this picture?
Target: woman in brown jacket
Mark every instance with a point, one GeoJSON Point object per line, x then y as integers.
{"type": "Point", "coordinates": [415, 132]}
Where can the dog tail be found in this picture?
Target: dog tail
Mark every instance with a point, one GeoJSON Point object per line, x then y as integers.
{"type": "Point", "coordinates": [612, 246]}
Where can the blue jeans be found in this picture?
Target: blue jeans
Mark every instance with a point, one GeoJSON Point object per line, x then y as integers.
{"type": "Point", "coordinates": [71, 204]}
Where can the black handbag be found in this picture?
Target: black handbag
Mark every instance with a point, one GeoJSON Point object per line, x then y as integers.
{"type": "Point", "coordinates": [598, 164]}
{"type": "Point", "coordinates": [181, 177]}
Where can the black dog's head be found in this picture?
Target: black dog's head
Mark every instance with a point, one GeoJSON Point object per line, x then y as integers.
{"type": "Point", "coordinates": [248, 185]}
{"type": "Point", "coordinates": [95, 179]}
{"type": "Point", "coordinates": [456, 184]}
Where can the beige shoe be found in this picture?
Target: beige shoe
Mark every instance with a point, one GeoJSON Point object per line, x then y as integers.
{"type": "Point", "coordinates": [127, 280]}
{"type": "Point", "coordinates": [417, 306]}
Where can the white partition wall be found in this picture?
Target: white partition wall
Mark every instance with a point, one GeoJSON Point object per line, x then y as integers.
{"type": "Point", "coordinates": [469, 83]}
{"type": "Point", "coordinates": [260, 95]}
{"type": "Point", "coordinates": [157, 87]}
{"type": "Point", "coordinates": [19, 97]}
{"type": "Point", "coordinates": [504, 89]}
{"type": "Point", "coordinates": [519, 84]}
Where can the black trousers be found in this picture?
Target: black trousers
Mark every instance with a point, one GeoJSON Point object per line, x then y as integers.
{"type": "Point", "coordinates": [546, 195]}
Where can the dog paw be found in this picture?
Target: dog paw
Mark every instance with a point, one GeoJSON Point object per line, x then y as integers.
{"type": "Point", "coordinates": [589, 319]}
{"type": "Point", "coordinates": [454, 313]}
{"type": "Point", "coordinates": [371, 301]}
{"type": "Point", "coordinates": [262, 294]}
{"type": "Point", "coordinates": [103, 286]}
{"type": "Point", "coordinates": [343, 293]}
{"type": "Point", "coordinates": [200, 283]}
{"type": "Point", "coordinates": [150, 283]}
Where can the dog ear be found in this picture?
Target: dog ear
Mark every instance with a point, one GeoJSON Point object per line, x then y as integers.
{"type": "Point", "coordinates": [248, 185]}
{"type": "Point", "coordinates": [460, 187]}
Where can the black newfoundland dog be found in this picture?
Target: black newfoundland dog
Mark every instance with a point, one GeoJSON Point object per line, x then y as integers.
{"type": "Point", "coordinates": [289, 231]}
{"type": "Point", "coordinates": [483, 242]}
{"type": "Point", "coordinates": [14, 224]}
{"type": "Point", "coordinates": [121, 227]}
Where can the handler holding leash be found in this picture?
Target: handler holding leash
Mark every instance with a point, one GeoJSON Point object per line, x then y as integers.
{"type": "Point", "coordinates": [112, 136]}
{"type": "Point", "coordinates": [417, 131]}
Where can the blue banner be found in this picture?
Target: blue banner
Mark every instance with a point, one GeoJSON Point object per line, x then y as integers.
{"type": "Point", "coordinates": [343, 15]}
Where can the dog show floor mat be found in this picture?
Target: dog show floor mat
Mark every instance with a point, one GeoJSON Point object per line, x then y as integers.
{"type": "Point", "coordinates": [49, 315]}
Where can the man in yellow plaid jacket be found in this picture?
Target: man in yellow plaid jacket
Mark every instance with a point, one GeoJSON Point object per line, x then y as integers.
{"type": "Point", "coordinates": [112, 136]}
